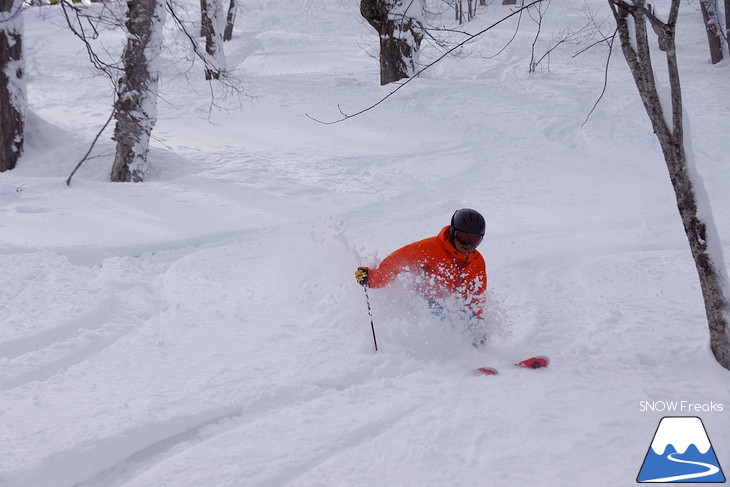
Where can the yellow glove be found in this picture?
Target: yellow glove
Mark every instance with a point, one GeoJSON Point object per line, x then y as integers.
{"type": "Point", "coordinates": [361, 274]}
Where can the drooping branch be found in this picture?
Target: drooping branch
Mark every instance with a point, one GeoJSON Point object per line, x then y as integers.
{"type": "Point", "coordinates": [112, 71]}
{"type": "Point", "coordinates": [445, 54]}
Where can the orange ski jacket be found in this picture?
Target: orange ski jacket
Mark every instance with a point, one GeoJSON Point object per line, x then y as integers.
{"type": "Point", "coordinates": [440, 270]}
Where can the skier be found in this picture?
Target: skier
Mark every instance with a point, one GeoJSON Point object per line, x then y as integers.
{"type": "Point", "coordinates": [445, 267]}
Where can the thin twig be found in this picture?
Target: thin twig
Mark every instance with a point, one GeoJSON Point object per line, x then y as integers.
{"type": "Point", "coordinates": [609, 41]}
{"type": "Point", "coordinates": [600, 41]}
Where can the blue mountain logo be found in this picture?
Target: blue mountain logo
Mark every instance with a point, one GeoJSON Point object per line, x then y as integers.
{"type": "Point", "coordinates": [681, 452]}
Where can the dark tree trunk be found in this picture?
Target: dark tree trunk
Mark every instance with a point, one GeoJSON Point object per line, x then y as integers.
{"type": "Point", "coordinates": [136, 105]}
{"type": "Point", "coordinates": [230, 20]}
{"type": "Point", "coordinates": [210, 17]}
{"type": "Point", "coordinates": [205, 22]}
{"type": "Point", "coordinates": [695, 212]}
{"type": "Point", "coordinates": [727, 23]}
{"type": "Point", "coordinates": [12, 85]}
{"type": "Point", "coordinates": [400, 39]}
{"type": "Point", "coordinates": [711, 16]}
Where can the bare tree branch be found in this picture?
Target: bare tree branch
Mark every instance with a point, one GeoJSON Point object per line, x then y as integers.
{"type": "Point", "coordinates": [514, 36]}
{"type": "Point", "coordinates": [538, 21]}
{"type": "Point", "coordinates": [110, 70]}
{"type": "Point", "coordinates": [609, 41]}
{"type": "Point", "coordinates": [93, 143]}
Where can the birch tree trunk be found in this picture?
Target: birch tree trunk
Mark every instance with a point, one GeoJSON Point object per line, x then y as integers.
{"type": "Point", "coordinates": [13, 103]}
{"type": "Point", "coordinates": [212, 20]}
{"type": "Point", "coordinates": [400, 36]}
{"type": "Point", "coordinates": [136, 105]}
{"type": "Point", "coordinates": [692, 201]}
{"type": "Point", "coordinates": [205, 21]}
{"type": "Point", "coordinates": [230, 20]}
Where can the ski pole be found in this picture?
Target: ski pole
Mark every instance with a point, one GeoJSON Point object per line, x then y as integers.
{"type": "Point", "coordinates": [372, 326]}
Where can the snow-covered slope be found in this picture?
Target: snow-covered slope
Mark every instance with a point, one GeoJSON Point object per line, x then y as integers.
{"type": "Point", "coordinates": [204, 328]}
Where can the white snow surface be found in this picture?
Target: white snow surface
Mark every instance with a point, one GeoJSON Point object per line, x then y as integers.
{"type": "Point", "coordinates": [204, 328]}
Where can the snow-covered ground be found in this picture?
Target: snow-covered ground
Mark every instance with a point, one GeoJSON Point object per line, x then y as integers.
{"type": "Point", "coordinates": [204, 328]}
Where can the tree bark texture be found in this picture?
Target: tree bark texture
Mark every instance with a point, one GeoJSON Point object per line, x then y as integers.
{"type": "Point", "coordinates": [699, 229]}
{"type": "Point", "coordinates": [13, 103]}
{"type": "Point", "coordinates": [205, 20]}
{"type": "Point", "coordinates": [713, 26]}
{"type": "Point", "coordinates": [400, 38]}
{"type": "Point", "coordinates": [136, 105]}
{"type": "Point", "coordinates": [727, 23]}
{"type": "Point", "coordinates": [230, 20]}
{"type": "Point", "coordinates": [211, 20]}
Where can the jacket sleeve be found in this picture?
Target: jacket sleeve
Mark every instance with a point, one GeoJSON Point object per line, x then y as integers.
{"type": "Point", "coordinates": [403, 259]}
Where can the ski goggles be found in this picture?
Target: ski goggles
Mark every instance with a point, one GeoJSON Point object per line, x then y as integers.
{"type": "Point", "coordinates": [468, 240]}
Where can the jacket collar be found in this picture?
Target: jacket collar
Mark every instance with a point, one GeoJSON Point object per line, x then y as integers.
{"type": "Point", "coordinates": [445, 241]}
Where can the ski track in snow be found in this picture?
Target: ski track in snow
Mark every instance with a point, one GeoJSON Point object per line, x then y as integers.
{"type": "Point", "coordinates": [204, 328]}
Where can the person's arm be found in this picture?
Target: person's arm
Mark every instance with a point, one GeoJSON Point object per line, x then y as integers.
{"type": "Point", "coordinates": [397, 262]}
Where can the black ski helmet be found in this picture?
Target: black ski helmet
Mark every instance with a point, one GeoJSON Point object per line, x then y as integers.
{"type": "Point", "coordinates": [468, 221]}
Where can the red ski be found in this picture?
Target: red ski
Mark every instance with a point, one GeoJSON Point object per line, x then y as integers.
{"type": "Point", "coordinates": [534, 362]}
{"type": "Point", "coordinates": [537, 362]}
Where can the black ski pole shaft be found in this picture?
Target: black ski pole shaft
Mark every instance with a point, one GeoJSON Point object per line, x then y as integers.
{"type": "Point", "coordinates": [372, 326]}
